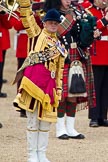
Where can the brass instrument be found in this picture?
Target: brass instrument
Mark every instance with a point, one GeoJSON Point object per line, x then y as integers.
{"type": "Point", "coordinates": [40, 13]}
{"type": "Point", "coordinates": [9, 6]}
{"type": "Point", "coordinates": [38, 8]}
{"type": "Point", "coordinates": [12, 4]}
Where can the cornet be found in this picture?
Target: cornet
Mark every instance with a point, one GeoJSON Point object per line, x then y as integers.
{"type": "Point", "coordinates": [9, 6]}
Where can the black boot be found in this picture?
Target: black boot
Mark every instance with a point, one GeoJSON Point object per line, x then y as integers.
{"type": "Point", "coordinates": [23, 113]}
{"type": "Point", "coordinates": [3, 95]}
{"type": "Point", "coordinates": [1, 125]}
{"type": "Point", "coordinates": [4, 81]}
{"type": "Point", "coordinates": [93, 123]}
{"type": "Point", "coordinates": [64, 137]}
{"type": "Point", "coordinates": [103, 122]}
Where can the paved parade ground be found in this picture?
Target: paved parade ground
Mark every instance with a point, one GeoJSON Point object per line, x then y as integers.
{"type": "Point", "coordinates": [94, 148]}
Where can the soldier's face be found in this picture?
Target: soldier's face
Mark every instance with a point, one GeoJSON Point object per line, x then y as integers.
{"type": "Point", "coordinates": [101, 3]}
{"type": "Point", "coordinates": [51, 26]}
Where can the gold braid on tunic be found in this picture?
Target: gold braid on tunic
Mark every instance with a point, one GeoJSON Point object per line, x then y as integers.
{"type": "Point", "coordinates": [28, 19]}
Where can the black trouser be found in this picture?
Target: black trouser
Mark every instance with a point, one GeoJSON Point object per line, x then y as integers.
{"type": "Point", "coordinates": [1, 81]}
{"type": "Point", "coordinates": [101, 87]}
{"type": "Point", "coordinates": [1, 69]}
{"type": "Point", "coordinates": [20, 62]}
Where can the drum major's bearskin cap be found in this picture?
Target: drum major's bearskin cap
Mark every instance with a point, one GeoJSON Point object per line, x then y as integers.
{"type": "Point", "coordinates": [52, 15]}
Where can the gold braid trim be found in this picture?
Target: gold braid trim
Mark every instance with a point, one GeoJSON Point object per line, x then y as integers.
{"type": "Point", "coordinates": [28, 19]}
{"type": "Point", "coordinates": [88, 12]}
{"type": "Point", "coordinates": [24, 3]}
{"type": "Point", "coordinates": [32, 130]}
{"type": "Point", "coordinates": [28, 91]}
{"type": "Point", "coordinates": [24, 11]}
{"type": "Point", "coordinates": [43, 130]}
{"type": "Point", "coordinates": [59, 77]}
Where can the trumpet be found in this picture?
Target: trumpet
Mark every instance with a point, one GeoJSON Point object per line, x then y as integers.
{"type": "Point", "coordinates": [9, 6]}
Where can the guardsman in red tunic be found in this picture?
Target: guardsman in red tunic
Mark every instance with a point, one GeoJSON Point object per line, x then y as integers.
{"type": "Point", "coordinates": [4, 44]}
{"type": "Point", "coordinates": [20, 46]}
{"type": "Point", "coordinates": [99, 53]}
{"type": "Point", "coordinates": [5, 47]}
{"type": "Point", "coordinates": [0, 57]}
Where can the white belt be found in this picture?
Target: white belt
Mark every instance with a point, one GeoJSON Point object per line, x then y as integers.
{"type": "Point", "coordinates": [104, 38]}
{"type": "Point", "coordinates": [16, 37]}
{"type": "Point", "coordinates": [0, 34]}
{"type": "Point", "coordinates": [22, 32]}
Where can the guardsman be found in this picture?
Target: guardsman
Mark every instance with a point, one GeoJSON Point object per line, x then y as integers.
{"type": "Point", "coordinates": [20, 46]}
{"type": "Point", "coordinates": [4, 45]}
{"type": "Point", "coordinates": [99, 53]}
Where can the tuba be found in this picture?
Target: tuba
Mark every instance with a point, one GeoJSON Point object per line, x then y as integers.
{"type": "Point", "coordinates": [9, 6]}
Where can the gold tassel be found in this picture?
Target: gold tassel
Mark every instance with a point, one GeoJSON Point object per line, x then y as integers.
{"type": "Point", "coordinates": [24, 11]}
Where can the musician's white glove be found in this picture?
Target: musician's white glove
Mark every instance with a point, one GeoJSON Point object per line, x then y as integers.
{"type": "Point", "coordinates": [96, 33]}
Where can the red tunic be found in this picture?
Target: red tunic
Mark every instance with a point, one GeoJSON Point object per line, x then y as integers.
{"type": "Point", "coordinates": [0, 44]}
{"type": "Point", "coordinates": [4, 33]}
{"type": "Point", "coordinates": [21, 38]}
{"type": "Point", "coordinates": [6, 39]}
{"type": "Point", "coordinates": [100, 46]}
